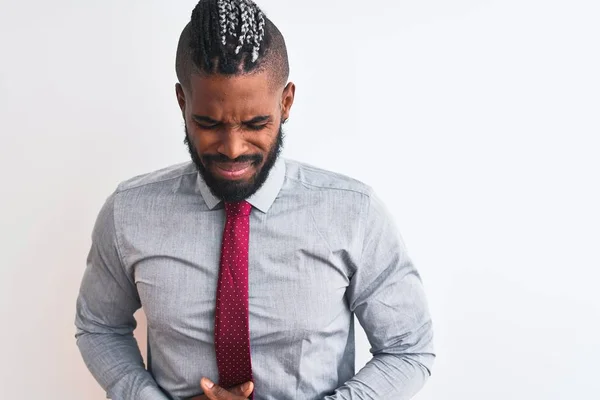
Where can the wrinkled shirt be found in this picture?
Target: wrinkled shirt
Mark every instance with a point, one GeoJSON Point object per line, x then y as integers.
{"type": "Point", "coordinates": [323, 248]}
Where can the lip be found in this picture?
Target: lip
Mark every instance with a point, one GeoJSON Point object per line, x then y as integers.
{"type": "Point", "coordinates": [232, 171]}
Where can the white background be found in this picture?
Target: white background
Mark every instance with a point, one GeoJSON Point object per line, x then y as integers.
{"type": "Point", "coordinates": [477, 122]}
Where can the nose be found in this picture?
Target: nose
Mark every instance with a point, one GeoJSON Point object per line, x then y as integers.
{"type": "Point", "coordinates": [232, 144]}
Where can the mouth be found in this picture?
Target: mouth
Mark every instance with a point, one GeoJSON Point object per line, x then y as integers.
{"type": "Point", "coordinates": [232, 170]}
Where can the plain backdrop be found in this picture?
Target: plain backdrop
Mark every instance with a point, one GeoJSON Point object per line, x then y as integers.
{"type": "Point", "coordinates": [477, 122]}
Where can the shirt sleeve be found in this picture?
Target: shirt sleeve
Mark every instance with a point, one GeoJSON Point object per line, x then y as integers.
{"type": "Point", "coordinates": [386, 295]}
{"type": "Point", "coordinates": [104, 318]}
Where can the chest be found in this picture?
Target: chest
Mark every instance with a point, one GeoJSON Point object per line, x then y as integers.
{"type": "Point", "coordinates": [297, 278]}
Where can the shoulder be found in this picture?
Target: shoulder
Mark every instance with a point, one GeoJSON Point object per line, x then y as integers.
{"type": "Point", "coordinates": [348, 193]}
{"type": "Point", "coordinates": [315, 178]}
{"type": "Point", "coordinates": [155, 179]}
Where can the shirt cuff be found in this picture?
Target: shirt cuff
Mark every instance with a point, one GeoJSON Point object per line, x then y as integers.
{"type": "Point", "coordinates": [152, 393]}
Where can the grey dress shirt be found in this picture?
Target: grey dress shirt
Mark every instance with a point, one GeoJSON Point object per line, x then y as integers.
{"type": "Point", "coordinates": [323, 248]}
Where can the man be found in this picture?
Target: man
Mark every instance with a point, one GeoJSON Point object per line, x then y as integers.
{"type": "Point", "coordinates": [249, 267]}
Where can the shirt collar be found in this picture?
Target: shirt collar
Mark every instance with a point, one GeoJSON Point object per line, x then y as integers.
{"type": "Point", "coordinates": [262, 199]}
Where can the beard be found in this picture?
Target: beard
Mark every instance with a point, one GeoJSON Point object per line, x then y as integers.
{"type": "Point", "coordinates": [232, 190]}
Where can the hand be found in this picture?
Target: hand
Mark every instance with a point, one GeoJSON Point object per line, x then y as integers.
{"type": "Point", "coordinates": [215, 392]}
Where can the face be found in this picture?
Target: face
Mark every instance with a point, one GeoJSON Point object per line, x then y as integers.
{"type": "Point", "coordinates": [233, 129]}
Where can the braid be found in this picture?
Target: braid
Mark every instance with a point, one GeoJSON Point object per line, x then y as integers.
{"type": "Point", "coordinates": [230, 37]}
{"type": "Point", "coordinates": [259, 36]}
{"type": "Point", "coordinates": [251, 32]}
{"type": "Point", "coordinates": [232, 18]}
{"type": "Point", "coordinates": [223, 20]}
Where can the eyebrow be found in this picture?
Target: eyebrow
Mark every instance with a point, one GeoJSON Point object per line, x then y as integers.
{"type": "Point", "coordinates": [209, 120]}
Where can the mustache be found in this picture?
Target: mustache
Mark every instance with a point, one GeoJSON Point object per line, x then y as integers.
{"type": "Point", "coordinates": [221, 158]}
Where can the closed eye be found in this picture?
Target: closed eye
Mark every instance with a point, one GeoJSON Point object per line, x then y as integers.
{"type": "Point", "coordinates": [257, 127]}
{"type": "Point", "coordinates": [204, 122]}
{"type": "Point", "coordinates": [204, 126]}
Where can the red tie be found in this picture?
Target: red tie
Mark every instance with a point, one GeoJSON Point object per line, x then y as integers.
{"type": "Point", "coordinates": [232, 333]}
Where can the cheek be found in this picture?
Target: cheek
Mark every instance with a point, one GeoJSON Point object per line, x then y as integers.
{"type": "Point", "coordinates": [204, 142]}
{"type": "Point", "coordinates": [201, 140]}
{"type": "Point", "coordinates": [266, 140]}
{"type": "Point", "coordinates": [261, 143]}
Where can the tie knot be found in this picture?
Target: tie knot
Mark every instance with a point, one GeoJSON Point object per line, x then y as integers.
{"type": "Point", "coordinates": [238, 208]}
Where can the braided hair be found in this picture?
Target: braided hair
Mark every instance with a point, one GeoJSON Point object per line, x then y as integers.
{"type": "Point", "coordinates": [231, 37]}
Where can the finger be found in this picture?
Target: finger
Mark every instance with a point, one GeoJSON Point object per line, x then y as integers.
{"type": "Point", "coordinates": [243, 390]}
{"type": "Point", "coordinates": [214, 391]}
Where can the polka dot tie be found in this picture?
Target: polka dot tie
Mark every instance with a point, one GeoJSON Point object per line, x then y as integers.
{"type": "Point", "coordinates": [232, 334]}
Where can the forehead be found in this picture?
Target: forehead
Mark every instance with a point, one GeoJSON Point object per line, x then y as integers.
{"type": "Point", "coordinates": [233, 95]}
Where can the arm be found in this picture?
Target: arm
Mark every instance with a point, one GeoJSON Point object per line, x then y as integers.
{"type": "Point", "coordinates": [387, 297]}
{"type": "Point", "coordinates": [104, 320]}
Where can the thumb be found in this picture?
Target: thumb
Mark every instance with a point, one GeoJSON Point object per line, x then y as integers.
{"type": "Point", "coordinates": [214, 391]}
{"type": "Point", "coordinates": [244, 390]}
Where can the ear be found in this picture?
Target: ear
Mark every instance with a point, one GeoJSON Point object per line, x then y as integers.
{"type": "Point", "coordinates": [287, 100]}
{"type": "Point", "coordinates": [180, 98]}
